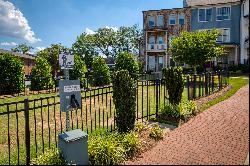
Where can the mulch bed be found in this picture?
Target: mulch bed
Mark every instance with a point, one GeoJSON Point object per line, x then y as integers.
{"type": "Point", "coordinates": [204, 100]}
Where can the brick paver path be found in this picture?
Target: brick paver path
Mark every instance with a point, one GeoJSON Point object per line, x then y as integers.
{"type": "Point", "coordinates": [217, 136]}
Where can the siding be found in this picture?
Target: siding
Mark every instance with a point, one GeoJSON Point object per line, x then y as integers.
{"type": "Point", "coordinates": [233, 23]}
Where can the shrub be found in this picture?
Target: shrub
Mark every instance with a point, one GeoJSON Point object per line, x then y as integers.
{"type": "Point", "coordinates": [11, 74]}
{"type": "Point", "coordinates": [126, 61]}
{"type": "Point", "coordinates": [79, 70]}
{"type": "Point", "coordinates": [124, 95]}
{"type": "Point", "coordinates": [101, 74]}
{"type": "Point", "coordinates": [181, 111]}
{"type": "Point", "coordinates": [244, 68]}
{"type": "Point", "coordinates": [50, 157]}
{"type": "Point", "coordinates": [41, 77]}
{"type": "Point", "coordinates": [174, 83]}
{"type": "Point", "coordinates": [139, 126]}
{"type": "Point", "coordinates": [131, 143]}
{"type": "Point", "coordinates": [156, 132]}
{"type": "Point", "coordinates": [141, 66]}
{"type": "Point", "coordinates": [105, 150]}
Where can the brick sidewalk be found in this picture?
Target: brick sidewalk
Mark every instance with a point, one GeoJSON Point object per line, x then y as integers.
{"type": "Point", "coordinates": [217, 136]}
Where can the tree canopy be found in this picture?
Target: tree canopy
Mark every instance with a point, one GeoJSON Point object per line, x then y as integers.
{"type": "Point", "coordinates": [195, 48]}
{"type": "Point", "coordinates": [51, 54]}
{"type": "Point", "coordinates": [22, 48]}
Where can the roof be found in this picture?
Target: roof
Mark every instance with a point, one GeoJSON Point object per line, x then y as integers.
{"type": "Point", "coordinates": [191, 3]}
{"type": "Point", "coordinates": [157, 10]}
{"type": "Point", "coordinates": [28, 56]}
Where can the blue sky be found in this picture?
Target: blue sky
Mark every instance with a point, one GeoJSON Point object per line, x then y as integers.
{"type": "Point", "coordinates": [40, 23]}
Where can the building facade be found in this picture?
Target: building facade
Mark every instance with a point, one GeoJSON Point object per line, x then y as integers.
{"type": "Point", "coordinates": [28, 60]}
{"type": "Point", "coordinates": [160, 27]}
{"type": "Point", "coordinates": [230, 17]}
{"type": "Point", "coordinates": [244, 38]}
{"type": "Point", "coordinates": [223, 15]}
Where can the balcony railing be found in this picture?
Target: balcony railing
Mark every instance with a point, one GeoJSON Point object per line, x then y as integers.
{"type": "Point", "coordinates": [156, 47]}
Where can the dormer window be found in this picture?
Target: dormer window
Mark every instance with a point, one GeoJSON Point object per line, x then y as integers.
{"type": "Point", "coordinates": [172, 19]}
{"type": "Point", "coordinates": [151, 21]}
{"type": "Point", "coordinates": [223, 13]}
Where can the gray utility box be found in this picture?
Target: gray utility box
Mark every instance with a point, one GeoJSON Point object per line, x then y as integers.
{"type": "Point", "coordinates": [73, 146]}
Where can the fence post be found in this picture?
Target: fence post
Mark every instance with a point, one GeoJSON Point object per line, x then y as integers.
{"type": "Point", "coordinates": [27, 130]}
{"type": "Point", "coordinates": [157, 106]}
{"type": "Point", "coordinates": [194, 87]}
{"type": "Point", "coordinates": [188, 87]}
{"type": "Point", "coordinates": [206, 82]}
{"type": "Point", "coordinates": [219, 79]}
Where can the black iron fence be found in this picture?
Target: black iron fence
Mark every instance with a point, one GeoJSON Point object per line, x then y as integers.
{"type": "Point", "coordinates": [28, 127]}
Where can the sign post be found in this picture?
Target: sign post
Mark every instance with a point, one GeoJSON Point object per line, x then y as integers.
{"type": "Point", "coordinates": [73, 144]}
{"type": "Point", "coordinates": [66, 75]}
{"type": "Point", "coordinates": [66, 62]}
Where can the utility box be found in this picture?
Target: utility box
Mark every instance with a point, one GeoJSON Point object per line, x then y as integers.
{"type": "Point", "coordinates": [73, 146]}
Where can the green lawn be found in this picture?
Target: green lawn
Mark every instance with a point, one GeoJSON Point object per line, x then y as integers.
{"type": "Point", "coordinates": [48, 120]}
{"type": "Point", "coordinates": [237, 82]}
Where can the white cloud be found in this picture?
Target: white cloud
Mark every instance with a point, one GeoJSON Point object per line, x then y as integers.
{"type": "Point", "coordinates": [14, 24]}
{"type": "Point", "coordinates": [114, 28]}
{"type": "Point", "coordinates": [89, 31]}
{"type": "Point", "coordinates": [40, 48]}
{"type": "Point", "coordinates": [8, 44]}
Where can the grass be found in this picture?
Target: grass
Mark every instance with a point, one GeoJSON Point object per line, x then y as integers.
{"type": "Point", "coordinates": [88, 120]}
{"type": "Point", "coordinates": [236, 83]}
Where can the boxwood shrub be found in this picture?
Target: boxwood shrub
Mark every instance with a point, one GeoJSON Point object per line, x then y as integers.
{"type": "Point", "coordinates": [41, 77]}
{"type": "Point", "coordinates": [101, 73]}
{"type": "Point", "coordinates": [174, 83]}
{"type": "Point", "coordinates": [124, 95]}
{"type": "Point", "coordinates": [127, 61]}
{"type": "Point", "coordinates": [11, 74]}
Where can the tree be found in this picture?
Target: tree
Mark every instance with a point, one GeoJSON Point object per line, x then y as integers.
{"type": "Point", "coordinates": [195, 48]}
{"type": "Point", "coordinates": [41, 77]}
{"type": "Point", "coordinates": [11, 74]}
{"type": "Point", "coordinates": [127, 61]}
{"type": "Point", "coordinates": [101, 74]}
{"type": "Point", "coordinates": [79, 70]}
{"type": "Point", "coordinates": [51, 54]}
{"type": "Point", "coordinates": [124, 95]}
{"type": "Point", "coordinates": [128, 39]}
{"type": "Point", "coordinates": [85, 47]}
{"type": "Point", "coordinates": [22, 48]}
{"type": "Point", "coordinates": [105, 41]}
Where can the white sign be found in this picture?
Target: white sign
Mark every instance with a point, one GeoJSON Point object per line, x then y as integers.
{"type": "Point", "coordinates": [72, 88]}
{"type": "Point", "coordinates": [66, 61]}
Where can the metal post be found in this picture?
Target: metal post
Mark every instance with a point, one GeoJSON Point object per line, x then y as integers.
{"type": "Point", "coordinates": [188, 87]}
{"type": "Point", "coordinates": [66, 75]}
{"type": "Point", "coordinates": [157, 106]}
{"type": "Point", "coordinates": [27, 131]}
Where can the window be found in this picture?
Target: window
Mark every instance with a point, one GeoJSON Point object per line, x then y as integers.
{"type": "Point", "coordinates": [205, 14]}
{"type": "Point", "coordinates": [160, 40]}
{"type": "Point", "coordinates": [224, 36]}
{"type": "Point", "coordinates": [151, 63]}
{"type": "Point", "coordinates": [152, 40]}
{"type": "Point", "coordinates": [223, 13]}
{"type": "Point", "coordinates": [172, 19]}
{"type": "Point", "coordinates": [151, 21]}
{"type": "Point", "coordinates": [160, 20]}
{"type": "Point", "coordinates": [181, 19]}
{"type": "Point", "coordinates": [160, 63]}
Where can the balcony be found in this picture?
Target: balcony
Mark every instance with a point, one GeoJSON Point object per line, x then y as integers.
{"type": "Point", "coordinates": [156, 47]}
